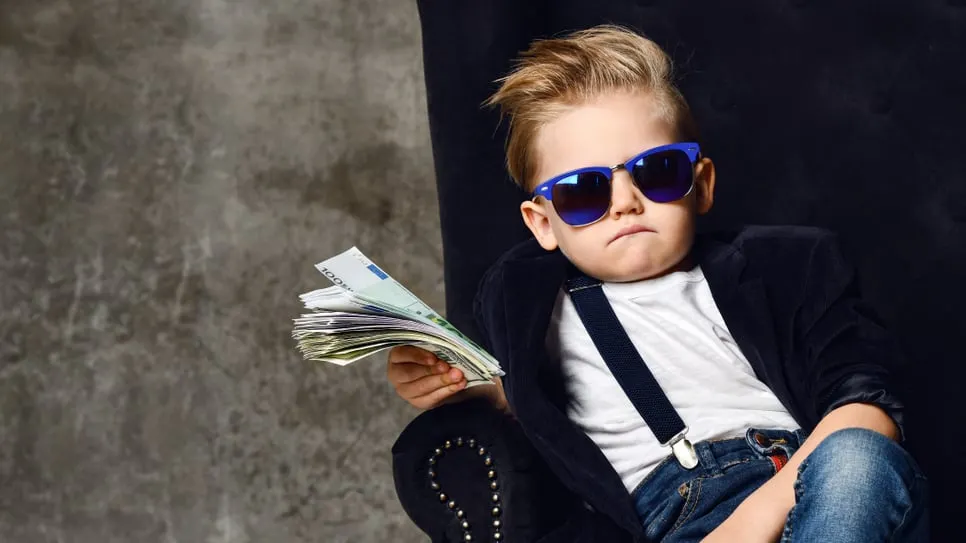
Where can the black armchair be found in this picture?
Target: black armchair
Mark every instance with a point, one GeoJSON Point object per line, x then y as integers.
{"type": "Point", "coordinates": [847, 115]}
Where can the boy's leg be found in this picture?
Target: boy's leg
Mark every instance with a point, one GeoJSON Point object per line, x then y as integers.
{"type": "Point", "coordinates": [858, 485]}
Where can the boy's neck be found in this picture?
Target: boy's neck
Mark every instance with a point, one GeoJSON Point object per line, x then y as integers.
{"type": "Point", "coordinates": [685, 264]}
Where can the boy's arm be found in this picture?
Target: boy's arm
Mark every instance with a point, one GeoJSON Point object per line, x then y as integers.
{"type": "Point", "coordinates": [761, 517]}
{"type": "Point", "coordinates": [849, 355]}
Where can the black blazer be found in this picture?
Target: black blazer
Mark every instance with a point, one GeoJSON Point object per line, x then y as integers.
{"type": "Point", "coordinates": [789, 299]}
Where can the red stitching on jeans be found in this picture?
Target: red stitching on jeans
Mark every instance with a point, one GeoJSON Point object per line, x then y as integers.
{"type": "Point", "coordinates": [779, 460]}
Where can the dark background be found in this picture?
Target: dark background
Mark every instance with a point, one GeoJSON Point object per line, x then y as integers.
{"type": "Point", "coordinates": [848, 115]}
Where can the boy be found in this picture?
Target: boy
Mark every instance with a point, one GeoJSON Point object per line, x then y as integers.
{"type": "Point", "coordinates": [757, 338]}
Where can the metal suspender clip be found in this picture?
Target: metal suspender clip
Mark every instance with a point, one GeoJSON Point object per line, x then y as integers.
{"type": "Point", "coordinates": [683, 450]}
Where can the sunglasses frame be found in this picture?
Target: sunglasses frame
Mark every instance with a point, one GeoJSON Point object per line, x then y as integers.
{"type": "Point", "coordinates": [545, 189]}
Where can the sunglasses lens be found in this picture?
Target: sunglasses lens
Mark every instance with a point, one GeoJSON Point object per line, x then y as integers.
{"type": "Point", "coordinates": [582, 198]}
{"type": "Point", "coordinates": [665, 176]}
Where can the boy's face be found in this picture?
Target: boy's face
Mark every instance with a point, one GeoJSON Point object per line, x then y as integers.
{"type": "Point", "coordinates": [606, 131]}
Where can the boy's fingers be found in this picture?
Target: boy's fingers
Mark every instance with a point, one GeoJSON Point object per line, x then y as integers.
{"type": "Point", "coordinates": [408, 353]}
{"type": "Point", "coordinates": [406, 373]}
{"type": "Point", "coordinates": [430, 384]}
{"type": "Point", "coordinates": [433, 398]}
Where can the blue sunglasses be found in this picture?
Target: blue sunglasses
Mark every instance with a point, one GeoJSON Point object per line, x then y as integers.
{"type": "Point", "coordinates": [663, 174]}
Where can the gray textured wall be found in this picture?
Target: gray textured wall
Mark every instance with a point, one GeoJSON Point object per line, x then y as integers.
{"type": "Point", "coordinates": [169, 172]}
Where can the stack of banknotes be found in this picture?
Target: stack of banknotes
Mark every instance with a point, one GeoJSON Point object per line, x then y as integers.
{"type": "Point", "coordinates": [368, 311]}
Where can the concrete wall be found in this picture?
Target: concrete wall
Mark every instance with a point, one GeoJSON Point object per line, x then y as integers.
{"type": "Point", "coordinates": [169, 172]}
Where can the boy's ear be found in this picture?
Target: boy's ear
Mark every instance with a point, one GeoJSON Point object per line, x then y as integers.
{"type": "Point", "coordinates": [704, 185]}
{"type": "Point", "coordinates": [538, 221]}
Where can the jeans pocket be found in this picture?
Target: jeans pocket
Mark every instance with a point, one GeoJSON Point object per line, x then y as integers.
{"type": "Point", "coordinates": [664, 517]}
{"type": "Point", "coordinates": [689, 492]}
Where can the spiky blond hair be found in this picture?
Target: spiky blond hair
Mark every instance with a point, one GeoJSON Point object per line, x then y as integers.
{"type": "Point", "coordinates": [556, 74]}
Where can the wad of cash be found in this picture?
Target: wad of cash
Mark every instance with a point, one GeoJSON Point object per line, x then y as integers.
{"type": "Point", "coordinates": [368, 311]}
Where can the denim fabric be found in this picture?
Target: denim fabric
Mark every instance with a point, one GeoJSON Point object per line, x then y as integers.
{"type": "Point", "coordinates": [856, 486]}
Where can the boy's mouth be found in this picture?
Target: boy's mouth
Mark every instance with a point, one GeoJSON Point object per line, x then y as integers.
{"type": "Point", "coordinates": [633, 229]}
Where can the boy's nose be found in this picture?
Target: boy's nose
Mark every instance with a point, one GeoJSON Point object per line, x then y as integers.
{"type": "Point", "coordinates": [625, 196]}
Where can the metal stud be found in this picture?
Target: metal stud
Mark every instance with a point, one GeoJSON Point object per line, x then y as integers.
{"type": "Point", "coordinates": [496, 511]}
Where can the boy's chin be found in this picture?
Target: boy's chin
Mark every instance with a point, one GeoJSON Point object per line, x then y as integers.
{"type": "Point", "coordinates": [633, 262]}
{"type": "Point", "coordinates": [635, 267]}
{"type": "Point", "coordinates": [626, 271]}
{"type": "Point", "coordinates": [629, 277]}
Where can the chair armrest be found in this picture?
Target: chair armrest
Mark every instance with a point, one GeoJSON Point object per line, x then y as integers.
{"type": "Point", "coordinates": [467, 469]}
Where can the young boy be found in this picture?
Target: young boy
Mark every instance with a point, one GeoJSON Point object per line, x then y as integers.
{"type": "Point", "coordinates": [757, 338]}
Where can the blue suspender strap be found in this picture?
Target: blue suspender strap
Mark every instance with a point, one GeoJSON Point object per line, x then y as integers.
{"type": "Point", "coordinates": [629, 368]}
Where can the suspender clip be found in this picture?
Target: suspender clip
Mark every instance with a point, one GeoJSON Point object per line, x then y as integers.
{"type": "Point", "coordinates": [683, 450]}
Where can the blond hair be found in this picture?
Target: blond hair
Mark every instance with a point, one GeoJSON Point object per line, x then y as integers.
{"type": "Point", "coordinates": [556, 74]}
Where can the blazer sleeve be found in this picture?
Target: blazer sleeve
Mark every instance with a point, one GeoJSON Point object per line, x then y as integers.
{"type": "Point", "coordinates": [849, 354]}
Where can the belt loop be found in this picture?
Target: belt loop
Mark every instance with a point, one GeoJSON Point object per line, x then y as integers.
{"type": "Point", "coordinates": [707, 458]}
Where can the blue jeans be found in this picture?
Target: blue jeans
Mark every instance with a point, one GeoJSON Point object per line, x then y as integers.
{"type": "Point", "coordinates": [856, 486]}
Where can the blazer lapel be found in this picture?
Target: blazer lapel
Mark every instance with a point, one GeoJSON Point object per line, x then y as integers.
{"type": "Point", "coordinates": [741, 299]}
{"type": "Point", "coordinates": [531, 290]}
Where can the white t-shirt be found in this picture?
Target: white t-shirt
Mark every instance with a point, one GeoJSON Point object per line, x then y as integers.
{"type": "Point", "coordinates": [677, 329]}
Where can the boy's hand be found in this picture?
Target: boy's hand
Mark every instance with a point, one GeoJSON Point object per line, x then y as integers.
{"type": "Point", "coordinates": [760, 518]}
{"type": "Point", "coordinates": [422, 379]}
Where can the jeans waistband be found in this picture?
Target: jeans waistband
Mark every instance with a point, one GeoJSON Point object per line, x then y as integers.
{"type": "Point", "coordinates": [714, 456]}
